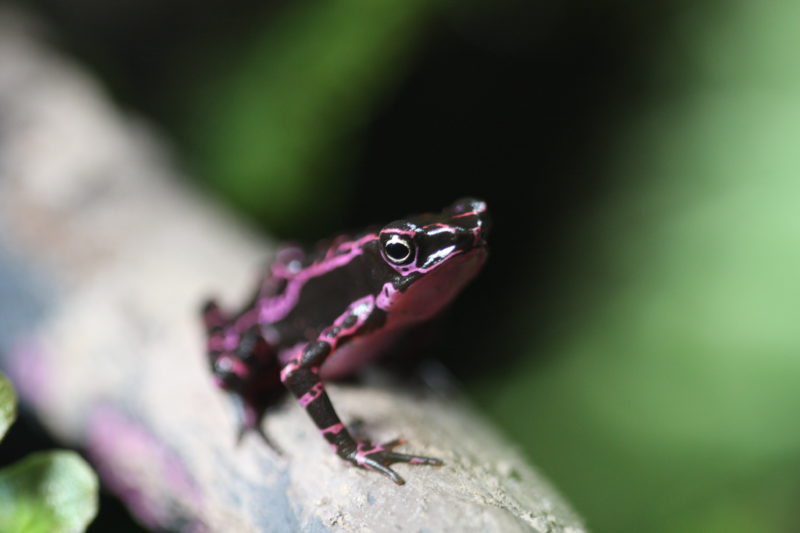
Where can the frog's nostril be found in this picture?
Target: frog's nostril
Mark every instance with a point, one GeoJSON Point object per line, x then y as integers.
{"type": "Point", "coordinates": [485, 224]}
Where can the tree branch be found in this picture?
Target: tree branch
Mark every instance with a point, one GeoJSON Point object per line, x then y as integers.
{"type": "Point", "coordinates": [105, 256]}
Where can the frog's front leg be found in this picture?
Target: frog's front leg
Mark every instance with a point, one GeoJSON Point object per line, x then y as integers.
{"type": "Point", "coordinates": [301, 377]}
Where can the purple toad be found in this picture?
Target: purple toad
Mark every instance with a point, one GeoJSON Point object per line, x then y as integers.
{"type": "Point", "coordinates": [320, 314]}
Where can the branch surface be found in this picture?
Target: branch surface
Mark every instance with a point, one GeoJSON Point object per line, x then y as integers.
{"type": "Point", "coordinates": [105, 255]}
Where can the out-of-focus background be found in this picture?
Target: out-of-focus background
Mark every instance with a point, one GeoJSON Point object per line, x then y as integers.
{"type": "Point", "coordinates": [637, 329]}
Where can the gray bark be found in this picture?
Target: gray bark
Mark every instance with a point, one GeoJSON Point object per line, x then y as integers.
{"type": "Point", "coordinates": [105, 255]}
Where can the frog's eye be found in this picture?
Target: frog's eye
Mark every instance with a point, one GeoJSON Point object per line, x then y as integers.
{"type": "Point", "coordinates": [398, 250]}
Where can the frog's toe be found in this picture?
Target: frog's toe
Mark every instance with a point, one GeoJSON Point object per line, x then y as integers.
{"type": "Point", "coordinates": [269, 442]}
{"type": "Point", "coordinates": [393, 443]}
{"type": "Point", "coordinates": [384, 469]}
{"type": "Point", "coordinates": [414, 459]}
{"type": "Point", "coordinates": [244, 429]}
{"type": "Point", "coordinates": [394, 457]}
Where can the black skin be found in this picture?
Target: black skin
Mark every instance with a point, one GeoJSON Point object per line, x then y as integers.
{"type": "Point", "coordinates": [251, 371]}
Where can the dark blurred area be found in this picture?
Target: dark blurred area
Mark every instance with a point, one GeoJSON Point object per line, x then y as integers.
{"type": "Point", "coordinates": [513, 102]}
{"type": "Point", "coordinates": [632, 330]}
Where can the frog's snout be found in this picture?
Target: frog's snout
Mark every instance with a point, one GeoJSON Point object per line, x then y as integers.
{"type": "Point", "coordinates": [472, 215]}
{"type": "Point", "coordinates": [484, 225]}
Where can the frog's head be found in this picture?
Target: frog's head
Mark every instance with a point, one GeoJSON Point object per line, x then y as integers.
{"type": "Point", "coordinates": [434, 256]}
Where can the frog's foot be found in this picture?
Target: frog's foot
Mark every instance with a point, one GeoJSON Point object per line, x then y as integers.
{"type": "Point", "coordinates": [379, 457]}
{"type": "Point", "coordinates": [250, 419]}
{"type": "Point", "coordinates": [244, 429]}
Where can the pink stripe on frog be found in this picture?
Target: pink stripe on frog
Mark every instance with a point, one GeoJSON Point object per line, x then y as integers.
{"type": "Point", "coordinates": [361, 309]}
{"type": "Point", "coordinates": [276, 308]}
{"type": "Point", "coordinates": [334, 429]}
{"type": "Point", "coordinates": [315, 392]}
{"type": "Point", "coordinates": [362, 455]}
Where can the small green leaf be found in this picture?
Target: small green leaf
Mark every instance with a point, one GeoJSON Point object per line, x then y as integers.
{"type": "Point", "coordinates": [48, 492]}
{"type": "Point", "coordinates": [8, 405]}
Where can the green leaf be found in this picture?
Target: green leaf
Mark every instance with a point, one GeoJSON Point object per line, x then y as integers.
{"type": "Point", "coordinates": [8, 405]}
{"type": "Point", "coordinates": [48, 492]}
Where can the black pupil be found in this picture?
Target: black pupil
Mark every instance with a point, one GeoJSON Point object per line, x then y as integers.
{"type": "Point", "coordinates": [397, 251]}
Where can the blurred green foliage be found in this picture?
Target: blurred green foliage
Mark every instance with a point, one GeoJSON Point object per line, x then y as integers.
{"type": "Point", "coordinates": [268, 128]}
{"type": "Point", "coordinates": [669, 398]}
{"type": "Point", "coordinates": [46, 492]}
{"type": "Point", "coordinates": [8, 405]}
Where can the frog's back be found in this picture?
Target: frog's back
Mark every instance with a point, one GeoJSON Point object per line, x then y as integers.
{"type": "Point", "coordinates": [319, 287]}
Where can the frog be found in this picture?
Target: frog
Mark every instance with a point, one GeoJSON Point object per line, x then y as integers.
{"type": "Point", "coordinates": [321, 313]}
